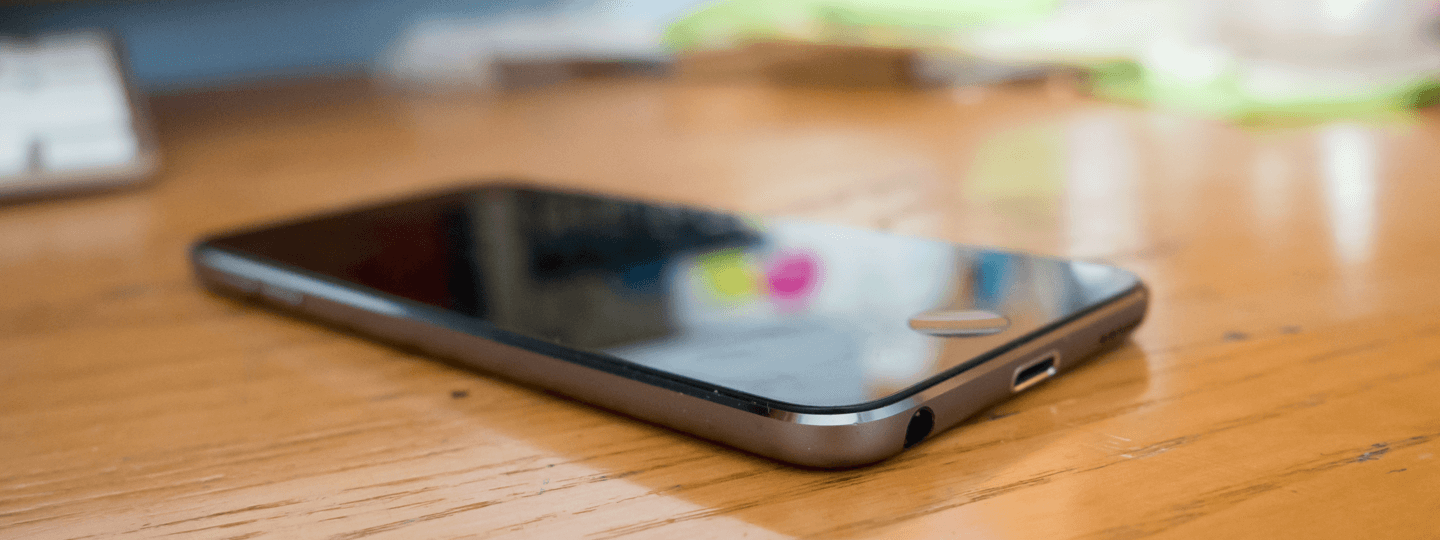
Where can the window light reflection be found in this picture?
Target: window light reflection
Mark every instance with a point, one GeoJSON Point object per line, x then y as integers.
{"type": "Point", "coordinates": [1102, 214]}
{"type": "Point", "coordinates": [1348, 167]}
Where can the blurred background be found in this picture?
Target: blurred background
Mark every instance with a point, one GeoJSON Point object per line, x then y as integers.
{"type": "Point", "coordinates": [1227, 57]}
{"type": "Point", "coordinates": [875, 108]}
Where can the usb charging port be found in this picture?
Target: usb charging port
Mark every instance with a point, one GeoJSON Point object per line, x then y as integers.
{"type": "Point", "coordinates": [1035, 372]}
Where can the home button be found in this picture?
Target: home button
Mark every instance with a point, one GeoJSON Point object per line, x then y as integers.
{"type": "Point", "coordinates": [959, 323]}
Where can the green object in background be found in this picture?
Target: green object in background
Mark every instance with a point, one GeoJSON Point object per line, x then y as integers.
{"type": "Point", "coordinates": [855, 22]}
{"type": "Point", "coordinates": [1225, 96]}
{"type": "Point", "coordinates": [937, 23]}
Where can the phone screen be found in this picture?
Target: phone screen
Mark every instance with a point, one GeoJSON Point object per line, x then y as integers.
{"type": "Point", "coordinates": [788, 311]}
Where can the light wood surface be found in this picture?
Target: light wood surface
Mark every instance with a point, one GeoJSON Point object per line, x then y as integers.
{"type": "Point", "coordinates": [1284, 385]}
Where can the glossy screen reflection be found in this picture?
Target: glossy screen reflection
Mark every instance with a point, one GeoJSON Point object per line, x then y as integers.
{"type": "Point", "coordinates": [786, 311]}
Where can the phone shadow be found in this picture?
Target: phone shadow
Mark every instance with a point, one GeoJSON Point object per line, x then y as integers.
{"type": "Point", "coordinates": [1019, 444]}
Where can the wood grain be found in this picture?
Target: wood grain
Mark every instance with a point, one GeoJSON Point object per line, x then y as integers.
{"type": "Point", "coordinates": [1283, 385]}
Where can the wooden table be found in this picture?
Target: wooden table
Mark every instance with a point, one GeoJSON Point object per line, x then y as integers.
{"type": "Point", "coordinates": [1285, 383]}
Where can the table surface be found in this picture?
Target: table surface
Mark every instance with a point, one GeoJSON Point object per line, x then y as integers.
{"type": "Point", "coordinates": [1284, 382]}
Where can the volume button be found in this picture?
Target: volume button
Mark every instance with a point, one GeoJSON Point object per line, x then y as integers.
{"type": "Point", "coordinates": [281, 295]}
{"type": "Point", "coordinates": [244, 285]}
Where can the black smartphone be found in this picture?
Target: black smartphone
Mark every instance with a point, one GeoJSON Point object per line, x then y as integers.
{"type": "Point", "coordinates": [809, 343]}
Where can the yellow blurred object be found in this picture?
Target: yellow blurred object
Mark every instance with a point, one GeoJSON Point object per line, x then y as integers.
{"type": "Point", "coordinates": [730, 275]}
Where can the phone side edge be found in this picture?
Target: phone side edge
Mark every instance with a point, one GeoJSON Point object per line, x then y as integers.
{"type": "Point", "coordinates": [801, 444]}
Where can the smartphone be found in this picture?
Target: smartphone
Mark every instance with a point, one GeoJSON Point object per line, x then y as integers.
{"type": "Point", "coordinates": [814, 344]}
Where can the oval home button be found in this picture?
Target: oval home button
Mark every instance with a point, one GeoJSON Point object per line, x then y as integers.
{"type": "Point", "coordinates": [959, 323]}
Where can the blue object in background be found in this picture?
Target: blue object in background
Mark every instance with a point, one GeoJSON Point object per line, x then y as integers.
{"type": "Point", "coordinates": [182, 44]}
{"type": "Point", "coordinates": [994, 273]}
